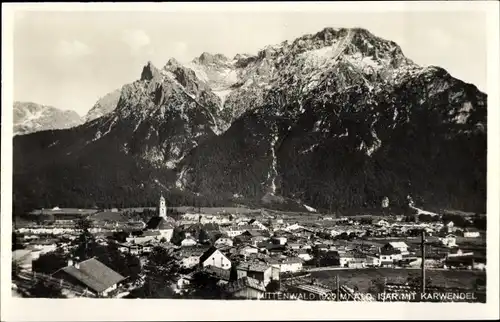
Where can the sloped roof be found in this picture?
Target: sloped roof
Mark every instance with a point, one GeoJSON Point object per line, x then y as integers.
{"type": "Point", "coordinates": [207, 254]}
{"type": "Point", "coordinates": [244, 282]}
{"type": "Point", "coordinates": [159, 223]}
{"type": "Point", "coordinates": [292, 260]}
{"type": "Point", "coordinates": [253, 267]}
{"type": "Point", "coordinates": [399, 244]}
{"type": "Point", "coordinates": [94, 275]}
{"type": "Point", "coordinates": [109, 216]}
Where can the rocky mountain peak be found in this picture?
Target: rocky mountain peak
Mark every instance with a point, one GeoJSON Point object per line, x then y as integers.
{"type": "Point", "coordinates": [29, 117]}
{"type": "Point", "coordinates": [209, 59]}
{"type": "Point", "coordinates": [149, 72]}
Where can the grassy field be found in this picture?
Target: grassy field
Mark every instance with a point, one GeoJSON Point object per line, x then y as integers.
{"type": "Point", "coordinates": [363, 277]}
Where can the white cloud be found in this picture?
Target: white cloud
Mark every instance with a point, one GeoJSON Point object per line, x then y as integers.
{"type": "Point", "coordinates": [136, 39]}
{"type": "Point", "coordinates": [72, 48]}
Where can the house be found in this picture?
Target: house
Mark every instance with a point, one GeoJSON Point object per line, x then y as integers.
{"type": "Point", "coordinates": [147, 236]}
{"type": "Point", "coordinates": [248, 249]}
{"type": "Point", "coordinates": [449, 240]}
{"type": "Point", "coordinates": [245, 288]}
{"type": "Point", "coordinates": [280, 240]}
{"type": "Point", "coordinates": [450, 227]}
{"type": "Point", "coordinates": [213, 257]}
{"type": "Point", "coordinates": [388, 257]}
{"type": "Point", "coordinates": [262, 272]}
{"type": "Point", "coordinates": [223, 241]}
{"type": "Point", "coordinates": [130, 248]}
{"type": "Point", "coordinates": [291, 264]}
{"type": "Point", "coordinates": [161, 224]}
{"type": "Point", "coordinates": [188, 242]}
{"type": "Point", "coordinates": [372, 260]}
{"type": "Point", "coordinates": [293, 227]}
{"type": "Point", "coordinates": [223, 275]}
{"type": "Point", "coordinates": [402, 247]}
{"type": "Point", "coordinates": [335, 232]}
{"type": "Point", "coordinates": [257, 240]}
{"type": "Point", "coordinates": [92, 275]}
{"type": "Point", "coordinates": [257, 224]}
{"type": "Point", "coordinates": [183, 282]}
{"type": "Point", "coordinates": [382, 223]}
{"type": "Point", "coordinates": [471, 233]}
{"type": "Point", "coordinates": [234, 231]}
{"type": "Point", "coordinates": [303, 232]}
{"type": "Point", "coordinates": [304, 255]}
{"type": "Point", "coordinates": [458, 252]}
{"type": "Point", "coordinates": [295, 246]}
{"type": "Point", "coordinates": [190, 257]}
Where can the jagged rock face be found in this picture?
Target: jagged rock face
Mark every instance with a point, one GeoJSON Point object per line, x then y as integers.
{"type": "Point", "coordinates": [337, 119]}
{"type": "Point", "coordinates": [103, 106]}
{"type": "Point", "coordinates": [31, 117]}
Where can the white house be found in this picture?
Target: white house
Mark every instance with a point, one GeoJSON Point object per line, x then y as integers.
{"type": "Point", "coordinates": [304, 255]}
{"type": "Point", "coordinates": [188, 241]}
{"type": "Point", "coordinates": [289, 265]}
{"type": "Point", "coordinates": [223, 241]}
{"type": "Point", "coordinates": [450, 227]}
{"type": "Point", "coordinates": [471, 233]}
{"type": "Point", "coordinates": [248, 249]}
{"type": "Point", "coordinates": [293, 227]}
{"type": "Point", "coordinates": [258, 224]}
{"type": "Point", "coordinates": [190, 257]}
{"type": "Point", "coordinates": [373, 260]}
{"type": "Point", "coordinates": [382, 223]}
{"type": "Point", "coordinates": [335, 232]}
{"type": "Point", "coordinates": [449, 241]}
{"type": "Point", "coordinates": [190, 260]}
{"type": "Point", "coordinates": [280, 239]}
{"type": "Point", "coordinates": [459, 253]}
{"type": "Point", "coordinates": [234, 231]}
{"type": "Point", "coordinates": [213, 257]}
{"type": "Point", "coordinates": [400, 246]}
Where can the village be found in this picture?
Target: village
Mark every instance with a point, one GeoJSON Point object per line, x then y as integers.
{"type": "Point", "coordinates": [237, 253]}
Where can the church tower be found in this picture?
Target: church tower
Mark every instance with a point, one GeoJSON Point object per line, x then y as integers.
{"type": "Point", "coordinates": [163, 208]}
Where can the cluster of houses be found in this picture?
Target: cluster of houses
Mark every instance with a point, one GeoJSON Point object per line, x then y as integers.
{"type": "Point", "coordinates": [260, 249]}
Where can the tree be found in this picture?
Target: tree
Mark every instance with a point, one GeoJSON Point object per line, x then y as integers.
{"type": "Point", "coordinates": [233, 273]}
{"type": "Point", "coordinates": [45, 290]}
{"type": "Point", "coordinates": [86, 246]}
{"type": "Point", "coordinates": [480, 283]}
{"type": "Point", "coordinates": [177, 236]}
{"type": "Point", "coordinates": [273, 286]}
{"type": "Point", "coordinates": [203, 236]}
{"type": "Point", "coordinates": [83, 224]}
{"type": "Point", "coordinates": [16, 242]}
{"type": "Point", "coordinates": [203, 286]}
{"type": "Point", "coordinates": [50, 262]}
{"type": "Point", "coordinates": [161, 272]}
{"type": "Point", "coordinates": [120, 236]}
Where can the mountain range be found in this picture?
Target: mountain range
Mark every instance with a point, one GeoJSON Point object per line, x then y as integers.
{"type": "Point", "coordinates": [335, 120]}
{"type": "Point", "coordinates": [30, 117]}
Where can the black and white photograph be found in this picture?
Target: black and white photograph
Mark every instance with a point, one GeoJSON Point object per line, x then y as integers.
{"type": "Point", "coordinates": [281, 155]}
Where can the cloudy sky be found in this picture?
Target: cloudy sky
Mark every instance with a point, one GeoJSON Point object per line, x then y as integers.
{"type": "Point", "coordinates": [70, 59]}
